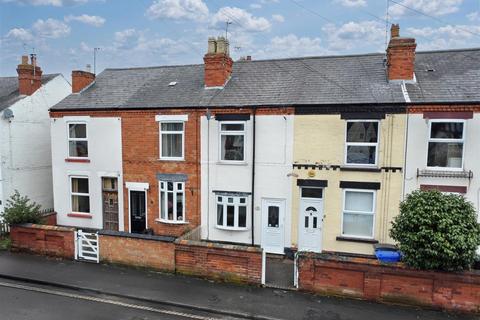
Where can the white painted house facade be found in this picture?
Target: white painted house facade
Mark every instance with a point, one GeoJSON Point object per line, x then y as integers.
{"type": "Point", "coordinates": [443, 153]}
{"type": "Point", "coordinates": [87, 171]}
{"type": "Point", "coordinates": [25, 149]}
{"type": "Point", "coordinates": [234, 209]}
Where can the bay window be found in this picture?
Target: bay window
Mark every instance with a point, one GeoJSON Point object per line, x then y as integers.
{"type": "Point", "coordinates": [77, 140]}
{"type": "Point", "coordinates": [231, 212]}
{"type": "Point", "coordinates": [445, 144]}
{"type": "Point", "coordinates": [80, 196]}
{"type": "Point", "coordinates": [232, 141]}
{"type": "Point", "coordinates": [172, 201]}
{"type": "Point", "coordinates": [358, 213]}
{"type": "Point", "coordinates": [361, 143]}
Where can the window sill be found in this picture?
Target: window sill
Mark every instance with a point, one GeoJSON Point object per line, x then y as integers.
{"type": "Point", "coordinates": [77, 160]}
{"type": "Point", "coordinates": [171, 222]}
{"type": "Point", "coordinates": [171, 159]}
{"type": "Point", "coordinates": [233, 163]}
{"type": "Point", "coordinates": [354, 239]}
{"type": "Point", "coordinates": [231, 228]}
{"type": "Point", "coordinates": [360, 168]}
{"type": "Point", "coordinates": [80, 215]}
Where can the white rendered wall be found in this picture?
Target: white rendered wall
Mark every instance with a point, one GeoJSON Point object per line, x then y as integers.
{"type": "Point", "coordinates": [417, 145]}
{"type": "Point", "coordinates": [274, 152]}
{"type": "Point", "coordinates": [25, 144]}
{"type": "Point", "coordinates": [105, 155]}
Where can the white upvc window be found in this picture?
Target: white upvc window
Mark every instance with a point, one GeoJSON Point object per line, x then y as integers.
{"type": "Point", "coordinates": [77, 140]}
{"type": "Point", "coordinates": [172, 201]}
{"type": "Point", "coordinates": [361, 142]}
{"type": "Point", "coordinates": [172, 140]}
{"type": "Point", "coordinates": [232, 141]}
{"type": "Point", "coordinates": [231, 212]}
{"type": "Point", "coordinates": [80, 195]}
{"type": "Point", "coordinates": [358, 213]}
{"type": "Point", "coordinates": [446, 140]}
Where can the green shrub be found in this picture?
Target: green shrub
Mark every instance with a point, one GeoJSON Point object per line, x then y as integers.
{"type": "Point", "coordinates": [20, 209]}
{"type": "Point", "coordinates": [437, 231]}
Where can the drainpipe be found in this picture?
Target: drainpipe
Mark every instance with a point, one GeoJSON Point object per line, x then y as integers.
{"type": "Point", "coordinates": [208, 116]}
{"type": "Point", "coordinates": [254, 109]}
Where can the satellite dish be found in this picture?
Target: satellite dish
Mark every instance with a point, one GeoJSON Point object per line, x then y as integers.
{"type": "Point", "coordinates": [7, 114]}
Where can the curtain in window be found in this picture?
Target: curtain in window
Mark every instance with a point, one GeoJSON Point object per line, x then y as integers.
{"type": "Point", "coordinates": [232, 147]}
{"type": "Point", "coordinates": [358, 215]}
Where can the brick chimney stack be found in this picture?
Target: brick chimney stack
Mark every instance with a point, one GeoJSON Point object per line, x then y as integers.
{"type": "Point", "coordinates": [81, 79]}
{"type": "Point", "coordinates": [400, 56]}
{"type": "Point", "coordinates": [29, 76]}
{"type": "Point", "coordinates": [218, 64]}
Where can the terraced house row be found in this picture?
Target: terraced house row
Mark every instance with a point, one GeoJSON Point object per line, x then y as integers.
{"type": "Point", "coordinates": [308, 154]}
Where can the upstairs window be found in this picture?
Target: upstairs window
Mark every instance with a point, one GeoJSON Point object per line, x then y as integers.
{"type": "Point", "coordinates": [77, 140]}
{"type": "Point", "coordinates": [362, 143]}
{"type": "Point", "coordinates": [445, 144]}
{"type": "Point", "coordinates": [232, 212]}
{"type": "Point", "coordinates": [172, 139]}
{"type": "Point", "coordinates": [232, 141]}
{"type": "Point", "coordinates": [172, 201]}
{"type": "Point", "coordinates": [80, 195]}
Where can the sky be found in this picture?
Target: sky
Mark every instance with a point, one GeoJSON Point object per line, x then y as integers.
{"type": "Point", "coordinates": [133, 33]}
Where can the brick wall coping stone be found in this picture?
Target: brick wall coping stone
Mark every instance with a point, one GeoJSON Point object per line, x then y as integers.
{"type": "Point", "coordinates": [217, 245]}
{"type": "Point", "coordinates": [43, 227]}
{"type": "Point", "coordinates": [136, 235]}
{"type": "Point", "coordinates": [471, 276]}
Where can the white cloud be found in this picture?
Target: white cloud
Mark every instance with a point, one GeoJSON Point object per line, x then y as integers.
{"type": "Point", "coordinates": [126, 39]}
{"type": "Point", "coordinates": [278, 18]}
{"type": "Point", "coordinates": [291, 46]}
{"type": "Point", "coordinates": [55, 3]}
{"type": "Point", "coordinates": [352, 3]}
{"type": "Point", "coordinates": [430, 7]}
{"type": "Point", "coordinates": [51, 28]}
{"type": "Point", "coordinates": [450, 36]}
{"type": "Point", "coordinates": [474, 16]}
{"type": "Point", "coordinates": [353, 34]}
{"type": "Point", "coordinates": [20, 34]}
{"type": "Point", "coordinates": [241, 19]}
{"type": "Point", "coordinates": [95, 21]}
{"type": "Point", "coordinates": [255, 6]}
{"type": "Point", "coordinates": [195, 10]}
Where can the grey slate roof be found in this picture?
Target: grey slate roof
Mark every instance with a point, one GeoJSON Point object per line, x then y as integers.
{"type": "Point", "coordinates": [9, 89]}
{"type": "Point", "coordinates": [327, 80]}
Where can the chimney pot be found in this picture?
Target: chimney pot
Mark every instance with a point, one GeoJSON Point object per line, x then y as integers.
{"type": "Point", "coordinates": [24, 60]}
{"type": "Point", "coordinates": [249, 58]}
{"type": "Point", "coordinates": [212, 45]}
{"type": "Point", "coordinates": [81, 79]}
{"type": "Point", "coordinates": [395, 31]}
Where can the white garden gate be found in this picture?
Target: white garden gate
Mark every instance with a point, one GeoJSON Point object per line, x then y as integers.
{"type": "Point", "coordinates": [86, 246]}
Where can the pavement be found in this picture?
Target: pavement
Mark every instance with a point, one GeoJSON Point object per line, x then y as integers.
{"type": "Point", "coordinates": [247, 302]}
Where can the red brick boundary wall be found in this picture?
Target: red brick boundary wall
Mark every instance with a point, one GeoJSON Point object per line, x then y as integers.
{"type": "Point", "coordinates": [234, 263]}
{"type": "Point", "coordinates": [138, 250]}
{"type": "Point", "coordinates": [368, 279]}
{"type": "Point", "coordinates": [50, 218]}
{"type": "Point", "coordinates": [42, 239]}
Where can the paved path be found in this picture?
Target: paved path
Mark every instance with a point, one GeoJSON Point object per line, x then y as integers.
{"type": "Point", "coordinates": [200, 294]}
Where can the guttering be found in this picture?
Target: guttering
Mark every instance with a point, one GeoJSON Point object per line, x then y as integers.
{"type": "Point", "coordinates": [254, 111]}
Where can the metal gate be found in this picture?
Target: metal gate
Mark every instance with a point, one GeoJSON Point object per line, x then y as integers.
{"type": "Point", "coordinates": [86, 246]}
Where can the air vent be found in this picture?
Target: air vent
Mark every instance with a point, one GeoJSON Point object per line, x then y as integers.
{"type": "Point", "coordinates": [173, 83]}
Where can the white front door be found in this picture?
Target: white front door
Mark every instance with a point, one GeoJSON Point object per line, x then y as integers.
{"type": "Point", "coordinates": [273, 216]}
{"type": "Point", "coordinates": [310, 224]}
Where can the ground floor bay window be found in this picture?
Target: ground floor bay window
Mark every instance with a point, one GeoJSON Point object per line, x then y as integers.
{"type": "Point", "coordinates": [172, 201]}
{"type": "Point", "coordinates": [231, 212]}
{"type": "Point", "coordinates": [358, 213]}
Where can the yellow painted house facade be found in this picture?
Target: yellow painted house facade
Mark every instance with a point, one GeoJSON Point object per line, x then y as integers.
{"type": "Point", "coordinates": [348, 180]}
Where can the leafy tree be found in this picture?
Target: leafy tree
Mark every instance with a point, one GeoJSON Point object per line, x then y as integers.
{"type": "Point", "coordinates": [20, 209]}
{"type": "Point", "coordinates": [435, 230]}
